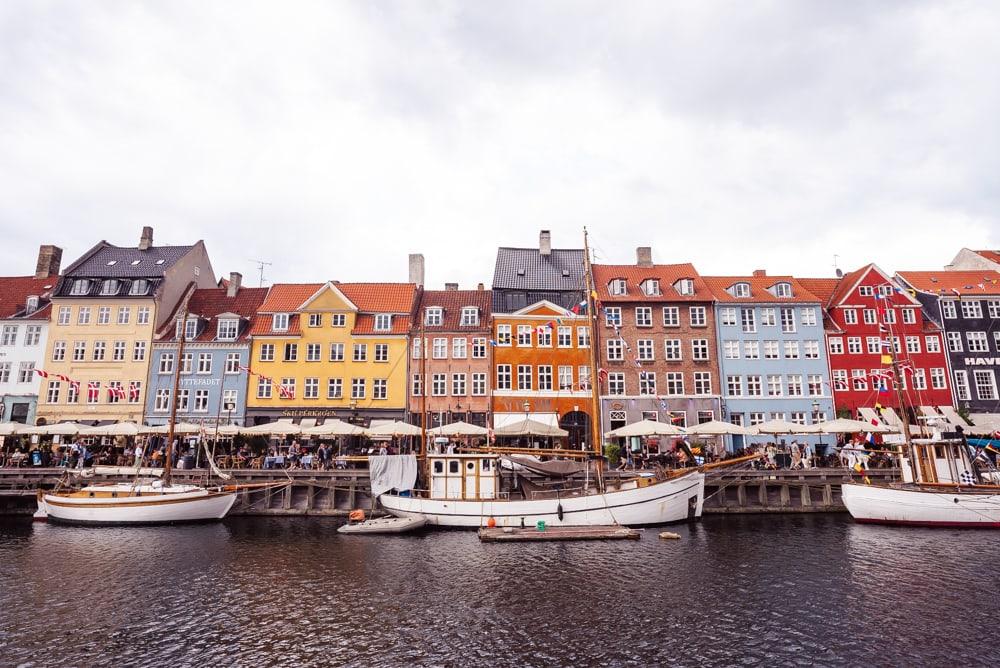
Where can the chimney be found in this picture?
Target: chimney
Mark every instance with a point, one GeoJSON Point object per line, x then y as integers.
{"type": "Point", "coordinates": [49, 259]}
{"type": "Point", "coordinates": [644, 256]}
{"type": "Point", "coordinates": [758, 273]}
{"type": "Point", "coordinates": [417, 268]}
{"type": "Point", "coordinates": [235, 281]}
{"type": "Point", "coordinates": [146, 240]}
{"type": "Point", "coordinates": [480, 287]}
{"type": "Point", "coordinates": [545, 243]}
{"type": "Point", "coordinates": [451, 287]}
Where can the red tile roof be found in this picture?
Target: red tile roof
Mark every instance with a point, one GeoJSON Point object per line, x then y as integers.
{"type": "Point", "coordinates": [991, 255]}
{"type": "Point", "coordinates": [261, 325]}
{"type": "Point", "coordinates": [207, 303]}
{"type": "Point", "coordinates": [821, 287]}
{"type": "Point", "coordinates": [365, 324]}
{"type": "Point", "coordinates": [15, 290]}
{"type": "Point", "coordinates": [975, 283]}
{"type": "Point", "coordinates": [287, 297]}
{"type": "Point", "coordinates": [667, 274]}
{"type": "Point", "coordinates": [452, 302]}
{"type": "Point", "coordinates": [380, 297]}
{"type": "Point", "coordinates": [758, 289]}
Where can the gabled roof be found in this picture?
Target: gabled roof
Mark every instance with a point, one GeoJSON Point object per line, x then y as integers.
{"type": "Point", "coordinates": [634, 275]}
{"type": "Point", "coordinates": [545, 305]}
{"type": "Point", "coordinates": [210, 303]}
{"type": "Point", "coordinates": [759, 289]}
{"type": "Point", "coordinates": [835, 291]}
{"type": "Point", "coordinates": [991, 255]}
{"type": "Point", "coordinates": [380, 297]}
{"type": "Point", "coordinates": [287, 297]}
{"type": "Point", "coordinates": [821, 287]}
{"type": "Point", "coordinates": [452, 302]}
{"type": "Point", "coordinates": [15, 290]}
{"type": "Point", "coordinates": [964, 283]}
{"type": "Point", "coordinates": [527, 269]}
{"type": "Point", "coordinates": [108, 261]}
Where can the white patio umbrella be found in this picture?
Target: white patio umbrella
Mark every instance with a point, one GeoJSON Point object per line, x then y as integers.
{"type": "Point", "coordinates": [845, 426]}
{"type": "Point", "coordinates": [334, 428]}
{"type": "Point", "coordinates": [717, 428]}
{"type": "Point", "coordinates": [230, 430]}
{"type": "Point", "coordinates": [10, 428]}
{"type": "Point", "coordinates": [647, 428]}
{"type": "Point", "coordinates": [279, 428]}
{"type": "Point", "coordinates": [459, 428]}
{"type": "Point", "coordinates": [113, 429]}
{"type": "Point", "coordinates": [395, 428]}
{"type": "Point", "coordinates": [775, 427]}
{"type": "Point", "coordinates": [179, 428]}
{"type": "Point", "coordinates": [61, 429]}
{"type": "Point", "coordinates": [529, 427]}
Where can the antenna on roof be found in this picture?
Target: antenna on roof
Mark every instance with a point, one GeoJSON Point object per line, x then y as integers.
{"type": "Point", "coordinates": [260, 270]}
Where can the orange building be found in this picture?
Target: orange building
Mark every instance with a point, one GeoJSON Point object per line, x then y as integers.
{"type": "Point", "coordinates": [541, 369]}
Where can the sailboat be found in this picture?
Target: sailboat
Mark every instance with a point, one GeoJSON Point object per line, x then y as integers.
{"type": "Point", "coordinates": [465, 490]}
{"type": "Point", "coordinates": [143, 501]}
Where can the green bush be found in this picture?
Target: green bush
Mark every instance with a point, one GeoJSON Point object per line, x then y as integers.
{"type": "Point", "coordinates": [613, 452]}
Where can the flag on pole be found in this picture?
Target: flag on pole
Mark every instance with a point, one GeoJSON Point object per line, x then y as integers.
{"type": "Point", "coordinates": [93, 391]}
{"type": "Point", "coordinates": [43, 374]}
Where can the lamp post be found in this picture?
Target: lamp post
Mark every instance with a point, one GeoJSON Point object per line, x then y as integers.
{"type": "Point", "coordinates": [821, 448]}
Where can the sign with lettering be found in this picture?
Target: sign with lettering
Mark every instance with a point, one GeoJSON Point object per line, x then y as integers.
{"type": "Point", "coordinates": [982, 361]}
{"type": "Point", "coordinates": [204, 382]}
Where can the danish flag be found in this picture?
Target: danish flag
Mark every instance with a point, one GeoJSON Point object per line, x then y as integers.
{"type": "Point", "coordinates": [285, 393]}
{"type": "Point", "coordinates": [93, 390]}
{"type": "Point", "coordinates": [133, 392]}
{"type": "Point", "coordinates": [43, 374]}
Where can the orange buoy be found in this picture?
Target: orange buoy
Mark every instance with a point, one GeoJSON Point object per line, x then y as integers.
{"type": "Point", "coordinates": [491, 523]}
{"type": "Point", "coordinates": [356, 516]}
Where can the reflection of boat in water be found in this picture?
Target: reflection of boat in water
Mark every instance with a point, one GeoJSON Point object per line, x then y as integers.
{"type": "Point", "coordinates": [145, 503]}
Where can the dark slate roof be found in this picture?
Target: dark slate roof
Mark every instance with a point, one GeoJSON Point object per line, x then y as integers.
{"type": "Point", "coordinates": [540, 272]}
{"type": "Point", "coordinates": [95, 264]}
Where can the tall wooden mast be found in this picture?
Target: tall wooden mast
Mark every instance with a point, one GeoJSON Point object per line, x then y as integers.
{"type": "Point", "coordinates": [173, 404]}
{"type": "Point", "coordinates": [595, 376]}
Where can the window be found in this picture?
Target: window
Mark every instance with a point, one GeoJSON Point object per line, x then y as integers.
{"type": "Point", "coordinates": [859, 379]}
{"type": "Point", "coordinates": [439, 384]}
{"type": "Point", "coordinates": [675, 382]}
{"type": "Point", "coordinates": [524, 376]}
{"type": "Point", "coordinates": [100, 348]}
{"type": "Point", "coordinates": [647, 383]}
{"type": "Point", "coordinates": [291, 352]}
{"type": "Point", "coordinates": [774, 386]}
{"type": "Point", "coordinates": [836, 346]}
{"type": "Point", "coordinates": [798, 417]}
{"type": "Point", "coordinates": [227, 329]}
{"type": "Point", "coordinates": [115, 392]}
{"type": "Point", "coordinates": [741, 290]}
{"type": "Point", "coordinates": [866, 291]}
{"type": "Point", "coordinates": [854, 345]}
{"type": "Point", "coordinates": [478, 348]}
{"type": "Point", "coordinates": [748, 321]}
{"type": "Point", "coordinates": [279, 322]}
{"type": "Point", "coordinates": [267, 352]}
{"type": "Point", "coordinates": [734, 386]}
{"type": "Point", "coordinates": [909, 316]}
{"type": "Point", "coordinates": [335, 387]}
{"type": "Point", "coordinates": [503, 377]}
{"type": "Point", "coordinates": [313, 352]}
{"type": "Point", "coordinates": [643, 316]}
{"type": "Point", "coordinates": [582, 337]}
{"type": "Point", "coordinates": [962, 385]}
{"type": "Point", "coordinates": [564, 337]}
{"type": "Point", "coordinates": [972, 310]}
{"type": "Point", "coordinates": [808, 317]}
{"type": "Point", "coordinates": [783, 290]}
{"type": "Point", "coordinates": [618, 287]}
{"type": "Point", "coordinates": [118, 351]}
{"type": "Point", "coordinates": [874, 345]}
{"type": "Point", "coordinates": [439, 351]}
{"type": "Point", "coordinates": [768, 317]}
{"type": "Point", "coordinates": [315, 319]}
{"type": "Point", "coordinates": [565, 378]}
{"type": "Point", "coordinates": [143, 316]}
{"type": "Point", "coordinates": [699, 349]}
{"type": "Point", "coordinates": [383, 322]}
{"type": "Point", "coordinates": [187, 360]}
{"type": "Point", "coordinates": [948, 308]}
{"type": "Point", "coordinates": [338, 319]}
{"type": "Point", "coordinates": [671, 316]}
{"type": "Point", "coordinates": [382, 352]}
{"type": "Point", "coordinates": [337, 350]}
{"type": "Point", "coordinates": [479, 384]}
{"type": "Point", "coordinates": [788, 320]}
{"type": "Point", "coordinates": [811, 350]}
{"type": "Point", "coordinates": [361, 352]}
{"type": "Point", "coordinates": [310, 388]}
{"type": "Point", "coordinates": [840, 379]}
{"type": "Point", "coordinates": [986, 386]}
{"type": "Point", "coordinates": [161, 402]}
{"type": "Point", "coordinates": [204, 363]}
{"type": "Point", "coordinates": [232, 363]}
{"type": "Point", "coordinates": [615, 349]}
{"type": "Point", "coordinates": [731, 350]}
{"type": "Point", "coordinates": [644, 350]}
{"type": "Point", "coordinates": [432, 316]}
{"type": "Point", "coordinates": [751, 350]}
{"type": "Point", "coordinates": [870, 316]}
{"type": "Point", "coordinates": [80, 286]}
{"type": "Point", "coordinates": [83, 315]}
{"type": "Point", "coordinates": [287, 389]}
{"type": "Point", "coordinates": [4, 372]}
{"type": "Point", "coordinates": [544, 336]}
{"type": "Point", "coordinates": [727, 316]}
{"type": "Point", "coordinates": [524, 336]}
{"type": "Point", "coordinates": [954, 342]}
{"type": "Point", "coordinates": [994, 308]}
{"type": "Point", "coordinates": [791, 349]}
{"type": "Point", "coordinates": [52, 395]}
{"type": "Point", "coordinates": [583, 374]}
{"type": "Point", "coordinates": [937, 379]}
{"type": "Point", "coordinates": [64, 315]}
{"type": "Point", "coordinates": [651, 287]}
{"type": "Point", "coordinates": [544, 377]}
{"type": "Point", "coordinates": [697, 315]}
{"type": "Point", "coordinates": [139, 286]}
{"type": "Point", "coordinates": [104, 315]}
{"type": "Point", "coordinates": [913, 344]}
{"type": "Point", "coordinates": [503, 335]}
{"type": "Point", "coordinates": [978, 342]}
{"type": "Point", "coordinates": [59, 351]}
{"type": "Point", "coordinates": [685, 286]}
{"type": "Point", "coordinates": [770, 350]}
{"type": "Point", "coordinates": [201, 401]}
{"type": "Point", "coordinates": [756, 418]}
{"type": "Point", "coordinates": [889, 316]}
{"type": "Point", "coordinates": [702, 382]}
{"type": "Point", "coordinates": [815, 381]}
{"type": "Point", "coordinates": [794, 385]}
{"type": "Point", "coordinates": [229, 399]}
{"type": "Point", "coordinates": [79, 350]}
{"type": "Point", "coordinates": [616, 383]}
{"type": "Point", "coordinates": [9, 336]}
{"type": "Point", "coordinates": [919, 379]}
{"type": "Point", "coordinates": [672, 349]}
{"type": "Point", "coordinates": [166, 364]}
{"type": "Point", "coordinates": [32, 335]}
{"type": "Point", "coordinates": [26, 372]}
{"type": "Point", "coordinates": [613, 316]}
{"type": "Point", "coordinates": [263, 388]}
{"type": "Point", "coordinates": [470, 316]}
{"type": "Point", "coordinates": [380, 389]}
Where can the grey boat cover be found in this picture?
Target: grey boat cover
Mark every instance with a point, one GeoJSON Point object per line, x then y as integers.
{"type": "Point", "coordinates": [557, 468]}
{"type": "Point", "coordinates": [392, 472]}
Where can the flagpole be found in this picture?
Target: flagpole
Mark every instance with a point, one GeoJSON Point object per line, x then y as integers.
{"type": "Point", "coordinates": [595, 422]}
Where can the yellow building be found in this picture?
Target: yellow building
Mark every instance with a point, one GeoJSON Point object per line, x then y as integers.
{"type": "Point", "coordinates": [104, 312]}
{"type": "Point", "coordinates": [331, 350]}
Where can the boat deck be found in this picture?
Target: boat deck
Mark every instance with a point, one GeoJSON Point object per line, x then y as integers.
{"type": "Point", "coordinates": [532, 534]}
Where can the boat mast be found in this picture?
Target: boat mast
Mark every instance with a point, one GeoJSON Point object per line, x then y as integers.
{"type": "Point", "coordinates": [595, 376]}
{"type": "Point", "coordinates": [423, 390]}
{"type": "Point", "coordinates": [898, 381]}
{"type": "Point", "coordinates": [173, 405]}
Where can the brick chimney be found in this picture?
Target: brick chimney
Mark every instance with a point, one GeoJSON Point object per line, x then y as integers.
{"type": "Point", "coordinates": [417, 268]}
{"type": "Point", "coordinates": [451, 287]}
{"type": "Point", "coordinates": [146, 240]}
{"type": "Point", "coordinates": [480, 287]}
{"type": "Point", "coordinates": [545, 243]}
{"type": "Point", "coordinates": [644, 256]}
{"type": "Point", "coordinates": [758, 273]}
{"type": "Point", "coordinates": [235, 282]}
{"type": "Point", "coordinates": [49, 259]}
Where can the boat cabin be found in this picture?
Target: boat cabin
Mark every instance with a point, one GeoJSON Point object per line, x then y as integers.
{"type": "Point", "coordinates": [465, 477]}
{"type": "Point", "coordinates": [939, 462]}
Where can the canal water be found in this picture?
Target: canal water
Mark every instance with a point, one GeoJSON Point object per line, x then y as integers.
{"type": "Point", "coordinates": [764, 590]}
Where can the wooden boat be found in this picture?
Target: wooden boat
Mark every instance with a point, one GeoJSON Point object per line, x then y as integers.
{"type": "Point", "coordinates": [129, 504]}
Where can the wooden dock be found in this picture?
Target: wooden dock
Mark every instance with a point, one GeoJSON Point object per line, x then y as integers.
{"type": "Point", "coordinates": [533, 535]}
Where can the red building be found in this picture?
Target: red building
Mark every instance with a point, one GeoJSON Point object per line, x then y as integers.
{"type": "Point", "coordinates": [867, 316]}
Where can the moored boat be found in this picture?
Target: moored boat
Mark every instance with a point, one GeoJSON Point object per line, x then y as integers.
{"type": "Point", "coordinates": [133, 504]}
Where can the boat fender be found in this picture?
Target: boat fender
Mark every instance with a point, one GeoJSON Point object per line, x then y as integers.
{"type": "Point", "coordinates": [559, 512]}
{"type": "Point", "coordinates": [669, 535]}
{"type": "Point", "coordinates": [491, 522]}
{"type": "Point", "coordinates": [356, 515]}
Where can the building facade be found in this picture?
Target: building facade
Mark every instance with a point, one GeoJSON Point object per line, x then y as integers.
{"type": "Point", "coordinates": [24, 328]}
{"type": "Point", "coordinates": [658, 347]}
{"type": "Point", "coordinates": [975, 260]}
{"type": "Point", "coordinates": [213, 381]}
{"type": "Point", "coordinates": [331, 350]}
{"type": "Point", "coordinates": [450, 357]}
{"type": "Point", "coordinates": [966, 304]}
{"type": "Point", "coordinates": [105, 310]}
{"type": "Point", "coordinates": [772, 356]}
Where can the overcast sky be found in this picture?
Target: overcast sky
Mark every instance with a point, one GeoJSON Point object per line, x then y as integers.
{"type": "Point", "coordinates": [334, 138]}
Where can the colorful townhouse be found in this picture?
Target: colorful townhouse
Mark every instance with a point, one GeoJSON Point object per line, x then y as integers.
{"type": "Point", "coordinates": [541, 352]}
{"type": "Point", "coordinates": [966, 304]}
{"type": "Point", "coordinates": [105, 310]}
{"type": "Point", "coordinates": [331, 350]}
{"type": "Point", "coordinates": [450, 356]}
{"type": "Point", "coordinates": [772, 356]}
{"type": "Point", "coordinates": [213, 378]}
{"type": "Point", "coordinates": [658, 344]}
{"type": "Point", "coordinates": [868, 316]}
{"type": "Point", "coordinates": [24, 328]}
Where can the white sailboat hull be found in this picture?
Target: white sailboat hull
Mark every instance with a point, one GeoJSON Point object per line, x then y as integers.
{"type": "Point", "coordinates": [672, 500]}
{"type": "Point", "coordinates": [921, 507]}
{"type": "Point", "coordinates": [152, 506]}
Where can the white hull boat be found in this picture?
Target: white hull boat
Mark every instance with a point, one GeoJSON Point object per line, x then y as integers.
{"type": "Point", "coordinates": [914, 505]}
{"type": "Point", "coordinates": [383, 525]}
{"type": "Point", "coordinates": [128, 504]}
{"type": "Point", "coordinates": [671, 500]}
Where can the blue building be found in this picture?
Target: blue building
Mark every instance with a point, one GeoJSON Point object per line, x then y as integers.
{"type": "Point", "coordinates": [213, 370]}
{"type": "Point", "coordinates": [772, 355]}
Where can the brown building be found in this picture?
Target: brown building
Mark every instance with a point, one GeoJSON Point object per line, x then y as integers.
{"type": "Point", "coordinates": [452, 382]}
{"type": "Point", "coordinates": [658, 351]}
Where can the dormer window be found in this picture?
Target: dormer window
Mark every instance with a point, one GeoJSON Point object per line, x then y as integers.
{"type": "Point", "coordinates": [684, 286]}
{"type": "Point", "coordinates": [650, 287]}
{"type": "Point", "coordinates": [618, 286]}
{"type": "Point", "coordinates": [433, 315]}
{"type": "Point", "coordinates": [470, 316]}
{"type": "Point", "coordinates": [190, 332]}
{"type": "Point", "coordinates": [228, 329]}
{"type": "Point", "coordinates": [139, 287]}
{"type": "Point", "coordinates": [741, 289]}
{"type": "Point", "coordinates": [279, 322]}
{"type": "Point", "coordinates": [109, 287]}
{"type": "Point", "coordinates": [383, 322]}
{"type": "Point", "coordinates": [31, 304]}
{"type": "Point", "coordinates": [783, 290]}
{"type": "Point", "coordinates": [81, 286]}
